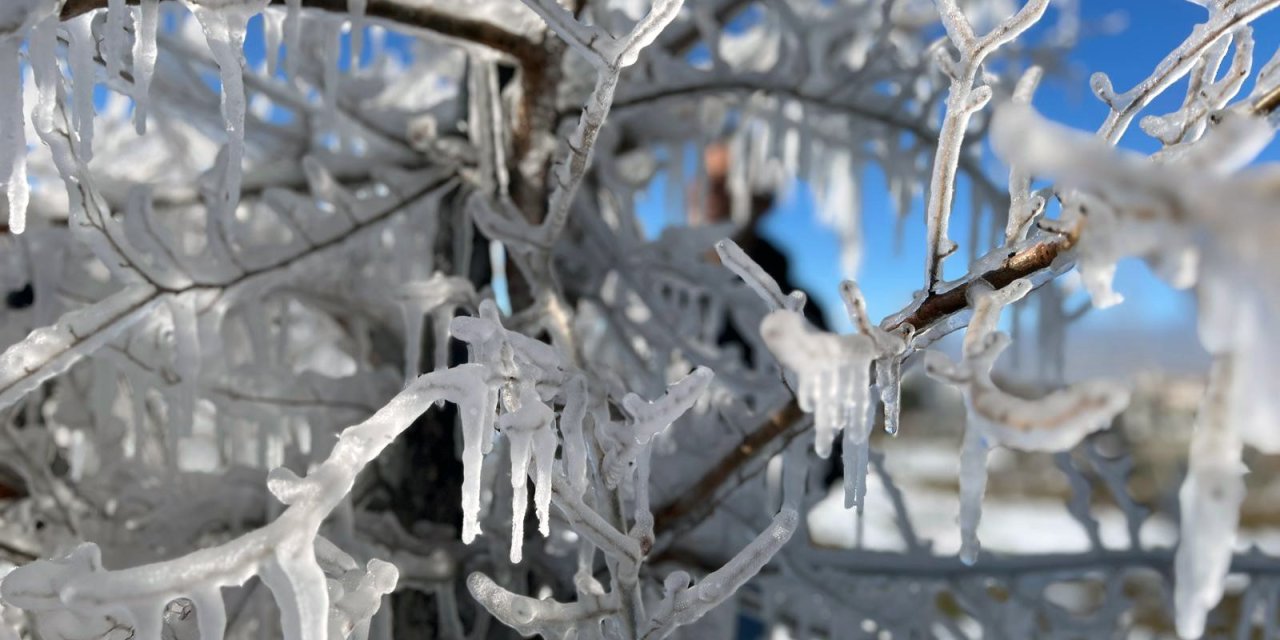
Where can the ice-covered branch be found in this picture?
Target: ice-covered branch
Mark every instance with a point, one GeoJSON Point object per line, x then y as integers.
{"type": "Point", "coordinates": [963, 100]}
{"type": "Point", "coordinates": [609, 56]}
{"type": "Point", "coordinates": [1024, 206]}
{"type": "Point", "coordinates": [757, 278]}
{"type": "Point", "coordinates": [282, 554]}
{"type": "Point", "coordinates": [547, 618]}
{"type": "Point", "coordinates": [49, 351]}
{"type": "Point", "coordinates": [1224, 19]}
{"type": "Point", "coordinates": [684, 604]}
{"type": "Point", "coordinates": [646, 419]}
{"type": "Point", "coordinates": [994, 417]}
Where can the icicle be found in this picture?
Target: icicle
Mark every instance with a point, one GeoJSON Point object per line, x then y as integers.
{"type": "Point", "coordinates": [529, 433]}
{"type": "Point", "coordinates": [973, 486]}
{"type": "Point", "coordinates": [889, 381]}
{"type": "Point", "coordinates": [81, 52]}
{"type": "Point", "coordinates": [856, 456]}
{"type": "Point", "coordinates": [186, 363]}
{"type": "Point", "coordinates": [413, 318]}
{"type": "Point", "coordinates": [519, 443]}
{"type": "Point", "coordinates": [273, 34]}
{"type": "Point", "coordinates": [477, 429]}
{"type": "Point", "coordinates": [44, 69]}
{"type": "Point", "coordinates": [211, 612]}
{"type": "Point", "coordinates": [292, 36]}
{"type": "Point", "coordinates": [13, 141]}
{"type": "Point", "coordinates": [144, 60]}
{"type": "Point", "coordinates": [357, 10]}
{"type": "Point", "coordinates": [544, 457]}
{"type": "Point", "coordinates": [115, 36]}
{"type": "Point", "coordinates": [831, 369]}
{"type": "Point", "coordinates": [224, 30]}
{"type": "Point", "coordinates": [329, 61]}
{"type": "Point", "coordinates": [1055, 422]}
{"type": "Point", "coordinates": [1210, 499]}
{"type": "Point", "coordinates": [575, 448]}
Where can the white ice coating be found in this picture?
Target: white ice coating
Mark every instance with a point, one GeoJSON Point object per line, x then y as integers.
{"type": "Point", "coordinates": [186, 362]}
{"type": "Point", "coordinates": [144, 60]}
{"type": "Point", "coordinates": [13, 140]}
{"type": "Point", "coordinates": [357, 8]}
{"type": "Point", "coordinates": [115, 38]}
{"type": "Point", "coordinates": [531, 435]}
{"type": "Point", "coordinates": [21, 16]}
{"type": "Point", "coordinates": [1055, 422]}
{"type": "Point", "coordinates": [648, 419]}
{"type": "Point", "coordinates": [439, 296]}
{"type": "Point", "coordinates": [1210, 501]}
{"type": "Point", "coordinates": [683, 604]}
{"type": "Point", "coordinates": [273, 35]}
{"type": "Point", "coordinates": [292, 36]}
{"type": "Point", "coordinates": [81, 52]}
{"type": "Point", "coordinates": [763, 284]}
{"type": "Point", "coordinates": [834, 384]}
{"type": "Point", "coordinates": [282, 554]}
{"type": "Point", "coordinates": [224, 26]}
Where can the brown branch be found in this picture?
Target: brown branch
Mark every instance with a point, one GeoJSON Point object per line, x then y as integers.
{"type": "Point", "coordinates": [410, 15]}
{"type": "Point", "coordinates": [1020, 264]}
{"type": "Point", "coordinates": [697, 502]}
{"type": "Point", "coordinates": [701, 499]}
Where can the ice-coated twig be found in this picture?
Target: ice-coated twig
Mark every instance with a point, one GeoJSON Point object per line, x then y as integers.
{"type": "Point", "coordinates": [1224, 18]}
{"type": "Point", "coordinates": [1205, 92]}
{"type": "Point", "coordinates": [963, 100]}
{"type": "Point", "coordinates": [646, 419]}
{"type": "Point", "coordinates": [582, 37]}
{"type": "Point", "coordinates": [1055, 422]}
{"type": "Point", "coordinates": [737, 260]}
{"type": "Point", "coordinates": [49, 351]}
{"type": "Point", "coordinates": [1136, 207]}
{"type": "Point", "coordinates": [282, 553]}
{"type": "Point", "coordinates": [684, 604]}
{"type": "Point", "coordinates": [1023, 205]}
{"type": "Point", "coordinates": [547, 618]}
{"type": "Point", "coordinates": [1210, 501]}
{"type": "Point", "coordinates": [609, 56]}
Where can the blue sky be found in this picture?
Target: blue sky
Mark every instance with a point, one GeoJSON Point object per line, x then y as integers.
{"type": "Point", "coordinates": [889, 273]}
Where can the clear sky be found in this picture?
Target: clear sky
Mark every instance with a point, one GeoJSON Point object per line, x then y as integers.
{"type": "Point", "coordinates": [1149, 29]}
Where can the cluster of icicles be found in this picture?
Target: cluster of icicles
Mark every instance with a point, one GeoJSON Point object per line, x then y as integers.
{"type": "Point", "coordinates": [834, 384]}
{"type": "Point", "coordinates": [38, 22]}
